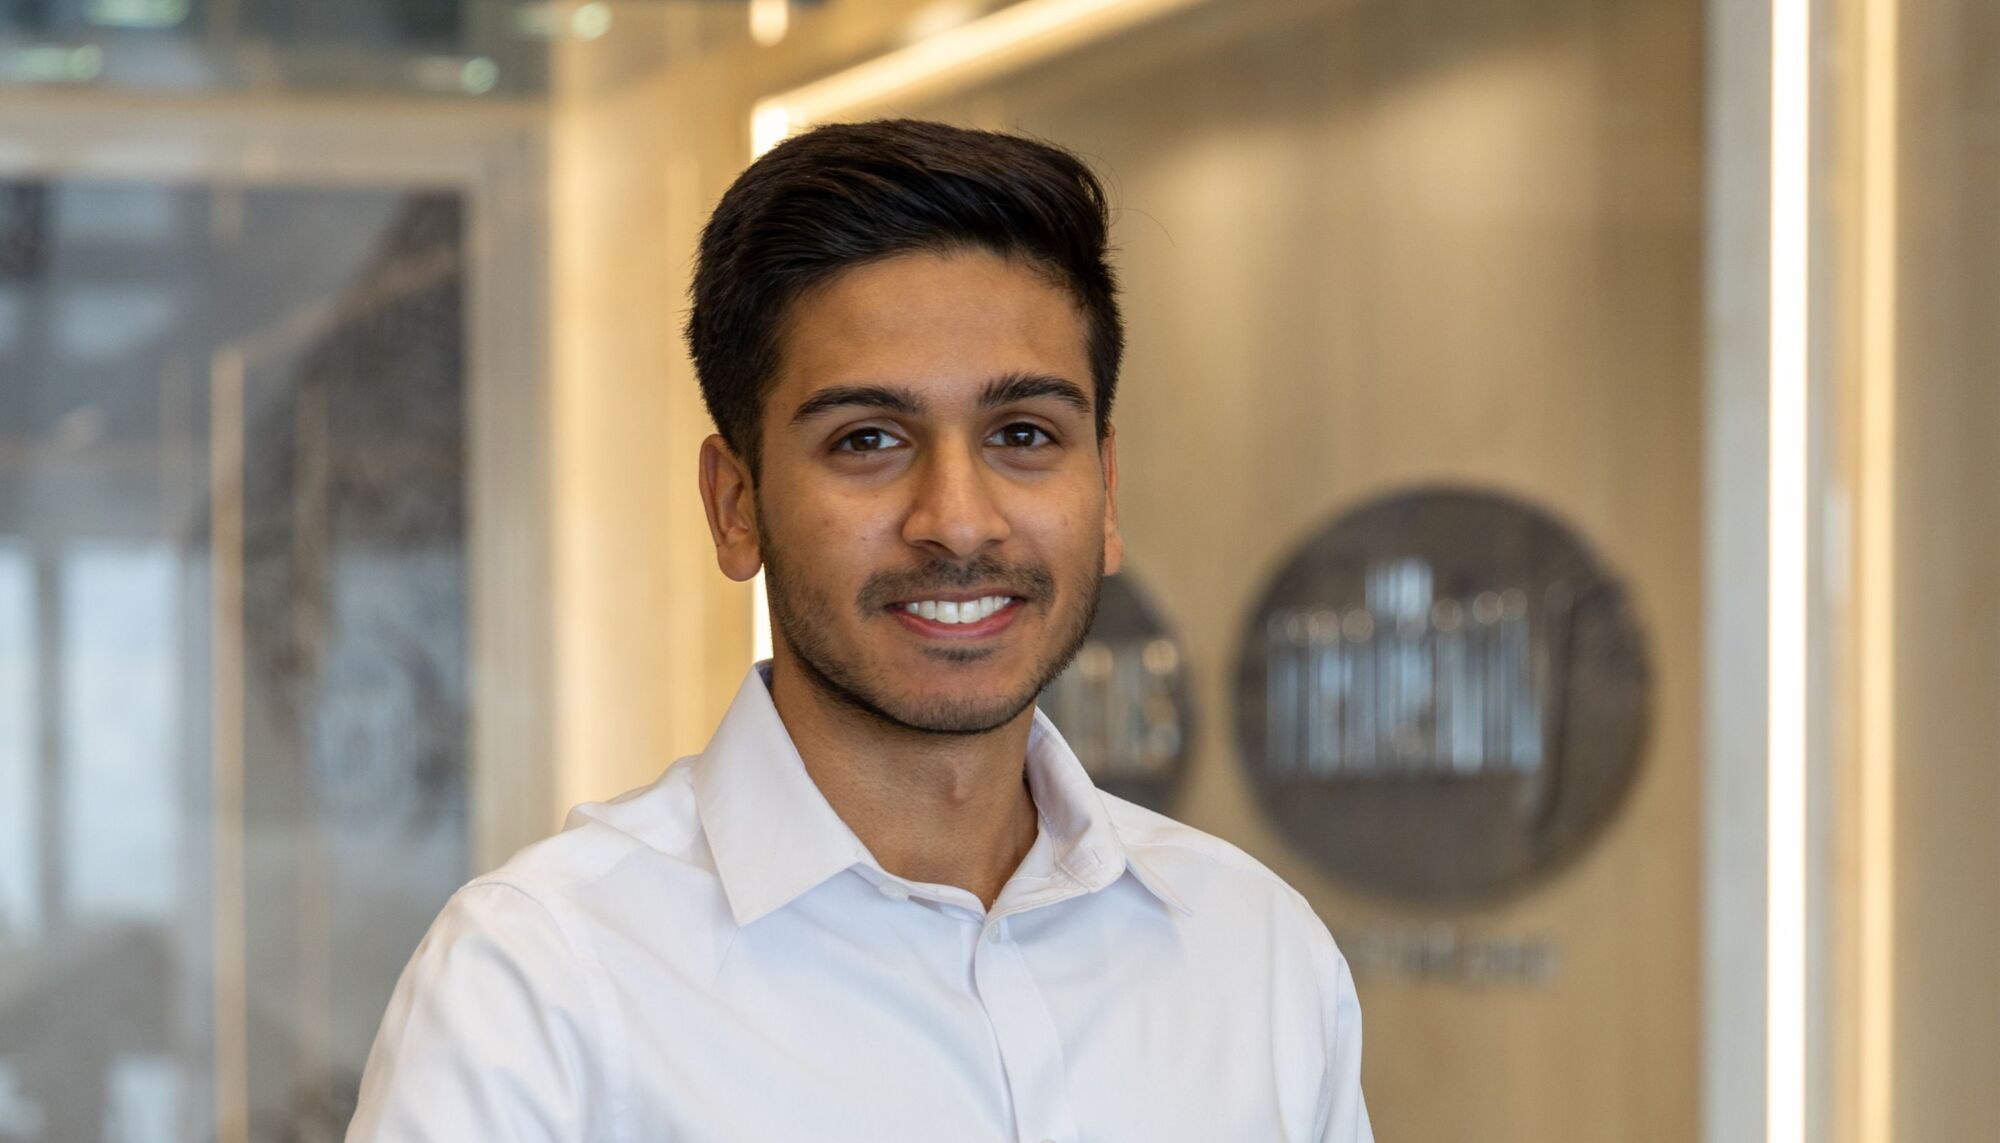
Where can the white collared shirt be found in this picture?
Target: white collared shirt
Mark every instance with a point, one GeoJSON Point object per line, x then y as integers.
{"type": "Point", "coordinates": [716, 958]}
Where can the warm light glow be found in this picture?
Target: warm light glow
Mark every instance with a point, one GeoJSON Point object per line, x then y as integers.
{"type": "Point", "coordinates": [590, 21]}
{"type": "Point", "coordinates": [1011, 38]}
{"type": "Point", "coordinates": [770, 20]}
{"type": "Point", "coordinates": [938, 17]}
{"type": "Point", "coordinates": [1785, 944]}
{"type": "Point", "coordinates": [1875, 1023]}
{"type": "Point", "coordinates": [769, 125]}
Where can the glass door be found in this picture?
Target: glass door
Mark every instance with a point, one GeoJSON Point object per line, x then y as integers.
{"type": "Point", "coordinates": [269, 489]}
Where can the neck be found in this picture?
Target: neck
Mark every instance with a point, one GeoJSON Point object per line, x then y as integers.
{"type": "Point", "coordinates": [940, 808]}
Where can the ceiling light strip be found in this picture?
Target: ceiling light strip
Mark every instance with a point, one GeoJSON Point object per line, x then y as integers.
{"type": "Point", "coordinates": [760, 620]}
{"type": "Point", "coordinates": [1012, 38]}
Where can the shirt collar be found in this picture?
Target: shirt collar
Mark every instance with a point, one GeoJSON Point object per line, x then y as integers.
{"type": "Point", "coordinates": [774, 835]}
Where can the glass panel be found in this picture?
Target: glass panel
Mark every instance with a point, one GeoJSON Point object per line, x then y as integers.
{"type": "Point", "coordinates": [462, 47]}
{"type": "Point", "coordinates": [121, 812]}
{"type": "Point", "coordinates": [146, 331]}
{"type": "Point", "coordinates": [20, 799]}
{"type": "Point", "coordinates": [431, 23]}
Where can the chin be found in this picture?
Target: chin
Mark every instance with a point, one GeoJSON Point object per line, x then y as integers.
{"type": "Point", "coordinates": [958, 710]}
{"type": "Point", "coordinates": [968, 718]}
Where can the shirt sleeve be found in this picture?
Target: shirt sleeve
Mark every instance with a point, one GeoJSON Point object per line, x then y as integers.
{"type": "Point", "coordinates": [485, 1034]}
{"type": "Point", "coordinates": [1343, 1113]}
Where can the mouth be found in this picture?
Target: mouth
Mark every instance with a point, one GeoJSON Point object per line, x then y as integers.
{"type": "Point", "coordinates": [954, 616]}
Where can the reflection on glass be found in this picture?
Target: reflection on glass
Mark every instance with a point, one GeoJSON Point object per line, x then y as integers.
{"type": "Point", "coordinates": [121, 812]}
{"type": "Point", "coordinates": [143, 1099]}
{"type": "Point", "coordinates": [340, 312]}
{"type": "Point", "coordinates": [20, 792]}
{"type": "Point", "coordinates": [457, 47]}
{"type": "Point", "coordinates": [382, 22]}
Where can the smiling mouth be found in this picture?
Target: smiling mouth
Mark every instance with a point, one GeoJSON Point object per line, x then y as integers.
{"type": "Point", "coordinates": [957, 612]}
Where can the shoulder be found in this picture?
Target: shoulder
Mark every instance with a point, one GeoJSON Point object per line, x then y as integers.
{"type": "Point", "coordinates": [641, 851]}
{"type": "Point", "coordinates": [1183, 853]}
{"type": "Point", "coordinates": [1216, 878]}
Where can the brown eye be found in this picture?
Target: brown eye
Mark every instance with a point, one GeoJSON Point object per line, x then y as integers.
{"type": "Point", "coordinates": [1023, 435]}
{"type": "Point", "coordinates": [865, 440]}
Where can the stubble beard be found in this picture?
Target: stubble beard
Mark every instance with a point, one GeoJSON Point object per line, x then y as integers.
{"type": "Point", "coordinates": [799, 615]}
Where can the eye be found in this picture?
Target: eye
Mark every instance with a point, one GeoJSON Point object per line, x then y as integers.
{"type": "Point", "coordinates": [1021, 434]}
{"type": "Point", "coordinates": [865, 440]}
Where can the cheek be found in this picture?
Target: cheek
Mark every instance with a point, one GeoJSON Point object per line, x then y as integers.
{"type": "Point", "coordinates": [846, 524]}
{"type": "Point", "coordinates": [841, 542]}
{"type": "Point", "coordinates": [1073, 535]}
{"type": "Point", "coordinates": [851, 536]}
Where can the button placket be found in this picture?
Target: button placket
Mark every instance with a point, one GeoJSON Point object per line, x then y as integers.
{"type": "Point", "coordinates": [1030, 1050]}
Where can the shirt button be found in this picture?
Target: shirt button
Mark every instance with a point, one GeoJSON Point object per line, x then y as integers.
{"type": "Point", "coordinates": [995, 935]}
{"type": "Point", "coordinates": [893, 891]}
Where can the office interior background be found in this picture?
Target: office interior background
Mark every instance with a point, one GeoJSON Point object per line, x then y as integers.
{"type": "Point", "coordinates": [1556, 449]}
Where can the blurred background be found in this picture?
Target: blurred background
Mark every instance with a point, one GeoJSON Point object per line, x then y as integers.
{"type": "Point", "coordinates": [1556, 444]}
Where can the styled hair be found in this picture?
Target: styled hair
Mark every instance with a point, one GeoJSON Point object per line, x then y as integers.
{"type": "Point", "coordinates": [847, 194]}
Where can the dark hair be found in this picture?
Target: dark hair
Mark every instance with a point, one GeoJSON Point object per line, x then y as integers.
{"type": "Point", "coordinates": [846, 194]}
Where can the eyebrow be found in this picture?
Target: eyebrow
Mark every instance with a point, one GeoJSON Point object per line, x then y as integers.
{"type": "Point", "coordinates": [1006, 389]}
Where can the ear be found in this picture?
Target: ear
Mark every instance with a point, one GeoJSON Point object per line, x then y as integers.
{"type": "Point", "coordinates": [1114, 544]}
{"type": "Point", "coordinates": [727, 494]}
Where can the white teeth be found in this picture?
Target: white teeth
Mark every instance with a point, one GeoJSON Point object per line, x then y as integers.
{"type": "Point", "coordinates": [950, 611]}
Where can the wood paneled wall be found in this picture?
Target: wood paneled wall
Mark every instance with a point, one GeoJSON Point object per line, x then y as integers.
{"type": "Point", "coordinates": [1369, 245]}
{"type": "Point", "coordinates": [1364, 245]}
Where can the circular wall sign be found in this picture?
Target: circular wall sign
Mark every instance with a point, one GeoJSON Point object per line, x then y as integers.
{"type": "Point", "coordinates": [1122, 704]}
{"type": "Point", "coordinates": [1442, 695]}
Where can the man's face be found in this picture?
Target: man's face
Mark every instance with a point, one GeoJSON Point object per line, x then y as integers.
{"type": "Point", "coordinates": [930, 446]}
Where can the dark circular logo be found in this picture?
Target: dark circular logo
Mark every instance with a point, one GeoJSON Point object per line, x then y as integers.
{"type": "Point", "coordinates": [1122, 704]}
{"type": "Point", "coordinates": [1442, 695]}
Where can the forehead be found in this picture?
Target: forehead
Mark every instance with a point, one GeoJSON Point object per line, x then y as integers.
{"type": "Point", "coordinates": [938, 322]}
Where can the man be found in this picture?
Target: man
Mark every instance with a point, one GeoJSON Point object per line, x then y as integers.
{"type": "Point", "coordinates": [886, 904]}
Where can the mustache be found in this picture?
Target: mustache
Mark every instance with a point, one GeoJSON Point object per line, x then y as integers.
{"type": "Point", "coordinates": [885, 588]}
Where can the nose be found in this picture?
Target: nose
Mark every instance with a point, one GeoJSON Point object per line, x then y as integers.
{"type": "Point", "coordinates": [954, 511]}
